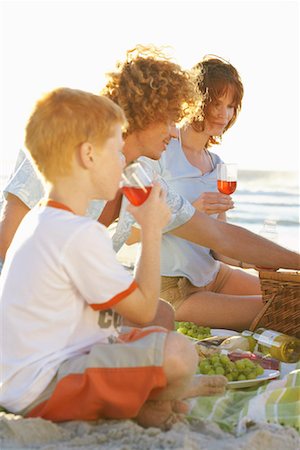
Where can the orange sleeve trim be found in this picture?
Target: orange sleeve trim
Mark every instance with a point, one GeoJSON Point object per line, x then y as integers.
{"type": "Point", "coordinates": [113, 301]}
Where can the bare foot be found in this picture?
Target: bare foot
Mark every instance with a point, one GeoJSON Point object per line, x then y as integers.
{"type": "Point", "coordinates": [162, 414]}
{"type": "Point", "coordinates": [205, 385]}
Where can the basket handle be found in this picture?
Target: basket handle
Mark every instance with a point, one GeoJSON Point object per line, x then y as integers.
{"type": "Point", "coordinates": [260, 315]}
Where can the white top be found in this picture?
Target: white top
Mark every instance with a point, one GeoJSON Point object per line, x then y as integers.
{"type": "Point", "coordinates": [180, 257]}
{"type": "Point", "coordinates": [27, 185]}
{"type": "Point", "coordinates": [59, 272]}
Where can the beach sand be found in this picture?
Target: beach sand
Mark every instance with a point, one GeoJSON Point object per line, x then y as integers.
{"type": "Point", "coordinates": [18, 433]}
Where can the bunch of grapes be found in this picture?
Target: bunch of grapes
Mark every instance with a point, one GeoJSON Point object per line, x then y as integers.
{"type": "Point", "coordinates": [219, 364]}
{"type": "Point", "coordinates": [192, 330]}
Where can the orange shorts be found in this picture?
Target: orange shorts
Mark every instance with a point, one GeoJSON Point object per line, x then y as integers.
{"type": "Point", "coordinates": [175, 290]}
{"type": "Point", "coordinates": [112, 381]}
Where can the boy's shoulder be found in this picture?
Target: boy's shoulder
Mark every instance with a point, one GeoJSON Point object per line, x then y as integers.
{"type": "Point", "coordinates": [60, 221]}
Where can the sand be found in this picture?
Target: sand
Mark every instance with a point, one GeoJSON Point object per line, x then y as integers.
{"type": "Point", "coordinates": [18, 433]}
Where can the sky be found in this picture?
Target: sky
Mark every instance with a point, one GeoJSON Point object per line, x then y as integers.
{"type": "Point", "coordinates": [46, 44]}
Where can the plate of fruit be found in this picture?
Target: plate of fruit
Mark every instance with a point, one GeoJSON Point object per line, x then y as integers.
{"type": "Point", "coordinates": [198, 332]}
{"type": "Point", "coordinates": [241, 373]}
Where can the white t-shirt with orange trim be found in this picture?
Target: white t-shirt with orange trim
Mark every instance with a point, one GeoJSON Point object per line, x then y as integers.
{"type": "Point", "coordinates": [59, 280]}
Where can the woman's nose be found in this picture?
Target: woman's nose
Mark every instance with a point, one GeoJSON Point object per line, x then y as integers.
{"type": "Point", "coordinates": [222, 111]}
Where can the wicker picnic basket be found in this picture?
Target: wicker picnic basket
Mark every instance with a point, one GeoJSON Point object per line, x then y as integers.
{"type": "Point", "coordinates": [281, 298]}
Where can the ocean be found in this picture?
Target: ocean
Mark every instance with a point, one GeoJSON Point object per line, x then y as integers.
{"type": "Point", "coordinates": [260, 195]}
{"type": "Point", "coordinates": [268, 195]}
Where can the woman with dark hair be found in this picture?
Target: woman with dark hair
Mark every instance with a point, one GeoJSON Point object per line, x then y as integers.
{"type": "Point", "coordinates": [199, 283]}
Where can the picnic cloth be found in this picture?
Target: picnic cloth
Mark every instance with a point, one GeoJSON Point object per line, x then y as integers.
{"type": "Point", "coordinates": [276, 402]}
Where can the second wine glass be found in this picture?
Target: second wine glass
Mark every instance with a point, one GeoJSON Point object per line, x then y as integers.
{"type": "Point", "coordinates": [227, 178]}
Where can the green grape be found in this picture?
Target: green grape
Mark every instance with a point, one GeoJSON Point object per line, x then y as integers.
{"type": "Point", "coordinates": [193, 330]}
{"type": "Point", "coordinates": [220, 370]}
{"type": "Point", "coordinates": [259, 370]}
{"type": "Point", "coordinates": [182, 330]}
{"type": "Point", "coordinates": [231, 366]}
{"type": "Point", "coordinates": [242, 369]}
{"type": "Point", "coordinates": [240, 364]}
{"type": "Point", "coordinates": [251, 375]}
{"type": "Point", "coordinates": [248, 362]}
{"type": "Point", "coordinates": [224, 359]}
{"type": "Point", "coordinates": [234, 375]}
{"type": "Point", "coordinates": [204, 367]}
{"type": "Point", "coordinates": [241, 377]}
{"type": "Point", "coordinates": [215, 359]}
{"type": "Point", "coordinates": [247, 370]}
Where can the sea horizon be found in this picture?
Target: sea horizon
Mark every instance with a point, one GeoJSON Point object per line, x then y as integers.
{"type": "Point", "coordinates": [261, 195]}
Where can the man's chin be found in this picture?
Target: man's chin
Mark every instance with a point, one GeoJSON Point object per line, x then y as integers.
{"type": "Point", "coordinates": [157, 155]}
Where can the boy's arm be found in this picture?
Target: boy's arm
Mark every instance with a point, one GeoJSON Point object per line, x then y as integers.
{"type": "Point", "coordinates": [236, 242]}
{"type": "Point", "coordinates": [140, 306]}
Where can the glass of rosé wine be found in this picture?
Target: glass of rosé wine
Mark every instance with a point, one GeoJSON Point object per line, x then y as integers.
{"type": "Point", "coordinates": [227, 178]}
{"type": "Point", "coordinates": [137, 182]}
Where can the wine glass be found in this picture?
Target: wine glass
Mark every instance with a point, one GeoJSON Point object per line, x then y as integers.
{"type": "Point", "coordinates": [227, 178]}
{"type": "Point", "coordinates": [137, 182]}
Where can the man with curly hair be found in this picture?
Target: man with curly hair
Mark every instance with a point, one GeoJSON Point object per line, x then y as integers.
{"type": "Point", "coordinates": [154, 93]}
{"type": "Point", "coordinates": [151, 97]}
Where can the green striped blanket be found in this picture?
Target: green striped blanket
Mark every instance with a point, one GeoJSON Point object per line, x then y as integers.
{"type": "Point", "coordinates": [277, 402]}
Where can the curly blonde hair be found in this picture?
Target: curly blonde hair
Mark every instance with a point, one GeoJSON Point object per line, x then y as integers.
{"type": "Point", "coordinates": [150, 88]}
{"type": "Point", "coordinates": [214, 75]}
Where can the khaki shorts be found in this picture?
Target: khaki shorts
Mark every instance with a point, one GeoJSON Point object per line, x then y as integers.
{"type": "Point", "coordinates": [112, 381]}
{"type": "Point", "coordinates": [175, 290]}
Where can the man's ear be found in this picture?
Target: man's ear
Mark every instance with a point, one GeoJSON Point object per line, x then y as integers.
{"type": "Point", "coordinates": [86, 154]}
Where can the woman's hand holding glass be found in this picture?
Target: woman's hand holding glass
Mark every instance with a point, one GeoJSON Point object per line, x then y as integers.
{"type": "Point", "coordinates": [213, 203]}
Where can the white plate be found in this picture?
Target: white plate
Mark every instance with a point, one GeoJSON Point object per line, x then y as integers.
{"type": "Point", "coordinates": [218, 332]}
{"type": "Point", "coordinates": [221, 332]}
{"type": "Point", "coordinates": [267, 375]}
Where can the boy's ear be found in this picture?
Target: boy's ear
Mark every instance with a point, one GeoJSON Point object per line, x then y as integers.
{"type": "Point", "coordinates": [86, 154]}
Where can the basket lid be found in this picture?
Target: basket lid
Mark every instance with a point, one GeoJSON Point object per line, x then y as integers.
{"type": "Point", "coordinates": [280, 275]}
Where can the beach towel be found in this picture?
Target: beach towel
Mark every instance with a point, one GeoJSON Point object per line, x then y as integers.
{"type": "Point", "coordinates": [238, 411]}
{"type": "Point", "coordinates": [275, 402]}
